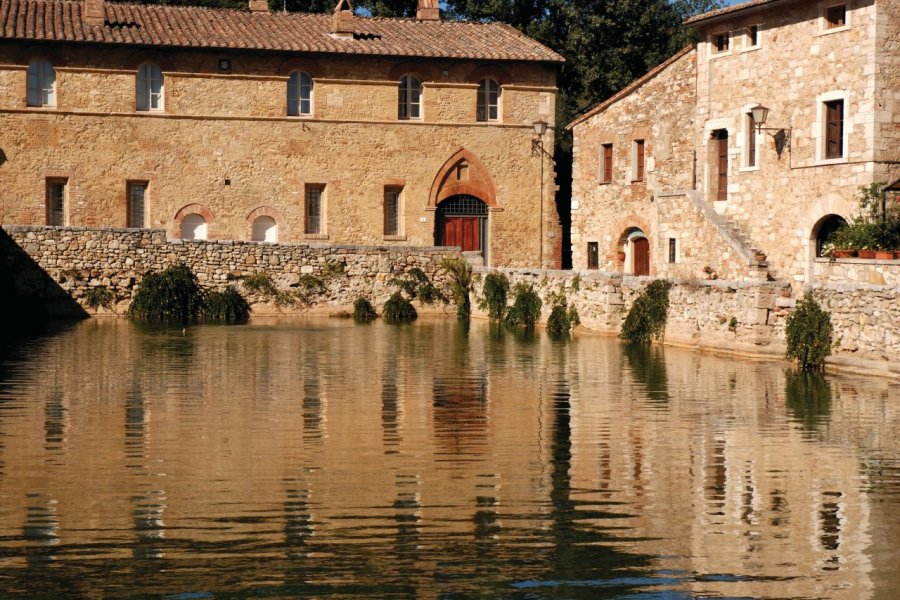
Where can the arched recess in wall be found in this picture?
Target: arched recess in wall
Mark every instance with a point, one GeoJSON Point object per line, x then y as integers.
{"type": "Point", "coordinates": [193, 221]}
{"type": "Point", "coordinates": [160, 59]}
{"type": "Point", "coordinates": [636, 245]}
{"type": "Point", "coordinates": [264, 224]}
{"type": "Point", "coordinates": [823, 229]}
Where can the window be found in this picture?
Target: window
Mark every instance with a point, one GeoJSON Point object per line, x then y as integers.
{"type": "Point", "coordinates": [149, 87]}
{"type": "Point", "coordinates": [834, 129]}
{"type": "Point", "coordinates": [638, 161]}
{"type": "Point", "coordinates": [673, 250]}
{"type": "Point", "coordinates": [299, 94]}
{"type": "Point", "coordinates": [488, 106]}
{"type": "Point", "coordinates": [264, 229]}
{"type": "Point", "coordinates": [392, 211]}
{"type": "Point", "coordinates": [41, 83]}
{"type": "Point", "coordinates": [751, 140]}
{"type": "Point", "coordinates": [137, 199]}
{"type": "Point", "coordinates": [193, 227]}
{"type": "Point", "coordinates": [410, 101]}
{"type": "Point", "coordinates": [752, 36]}
{"type": "Point", "coordinates": [313, 210]}
{"type": "Point", "coordinates": [56, 202]}
{"type": "Point", "coordinates": [606, 163]}
{"type": "Point", "coordinates": [593, 255]}
{"type": "Point", "coordinates": [720, 158]}
{"type": "Point", "coordinates": [721, 42]}
{"type": "Point", "coordinates": [835, 16]}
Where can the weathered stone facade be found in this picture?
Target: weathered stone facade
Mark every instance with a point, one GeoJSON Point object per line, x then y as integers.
{"type": "Point", "coordinates": [224, 148]}
{"type": "Point", "coordinates": [60, 265]}
{"type": "Point", "coordinates": [778, 184]}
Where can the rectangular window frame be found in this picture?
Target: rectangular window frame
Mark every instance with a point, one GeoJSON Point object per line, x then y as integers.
{"type": "Point", "coordinates": [314, 210]}
{"type": "Point", "coordinates": [720, 43]}
{"type": "Point", "coordinates": [835, 118]}
{"type": "Point", "coordinates": [606, 163]}
{"type": "Point", "coordinates": [392, 210]}
{"type": "Point", "coordinates": [136, 219]}
{"type": "Point", "coordinates": [752, 145]}
{"type": "Point", "coordinates": [638, 160]}
{"type": "Point", "coordinates": [56, 199]}
{"type": "Point", "coordinates": [754, 30]}
{"type": "Point", "coordinates": [673, 250]}
{"type": "Point", "coordinates": [835, 17]}
{"type": "Point", "coordinates": [593, 256]}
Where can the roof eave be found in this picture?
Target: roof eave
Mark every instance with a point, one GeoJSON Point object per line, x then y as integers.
{"type": "Point", "coordinates": [739, 10]}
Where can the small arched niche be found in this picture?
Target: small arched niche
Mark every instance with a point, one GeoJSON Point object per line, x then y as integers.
{"type": "Point", "coordinates": [264, 229]}
{"type": "Point", "coordinates": [193, 227]}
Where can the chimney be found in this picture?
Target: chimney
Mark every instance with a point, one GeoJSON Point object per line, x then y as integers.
{"type": "Point", "coordinates": [259, 6]}
{"type": "Point", "coordinates": [343, 20]}
{"type": "Point", "coordinates": [428, 11]}
{"type": "Point", "coordinates": [93, 12]}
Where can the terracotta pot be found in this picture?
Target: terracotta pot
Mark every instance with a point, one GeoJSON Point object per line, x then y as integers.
{"type": "Point", "coordinates": [884, 255]}
{"type": "Point", "coordinates": [620, 256]}
{"type": "Point", "coordinates": [844, 253]}
{"type": "Point", "coordinates": [896, 254]}
{"type": "Point", "coordinates": [759, 257]}
{"type": "Point", "coordinates": [866, 254]}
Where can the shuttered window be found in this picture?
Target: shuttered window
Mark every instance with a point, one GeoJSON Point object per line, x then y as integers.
{"type": "Point", "coordinates": [751, 141]}
{"type": "Point", "coordinates": [606, 166]}
{"type": "Point", "coordinates": [593, 255]}
{"type": "Point", "coordinates": [638, 160]}
{"type": "Point", "coordinates": [834, 129]}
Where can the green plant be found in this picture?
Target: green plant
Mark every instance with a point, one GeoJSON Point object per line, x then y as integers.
{"type": "Point", "coordinates": [526, 307]}
{"type": "Point", "coordinates": [808, 398]}
{"type": "Point", "coordinates": [227, 306]}
{"type": "Point", "coordinates": [562, 316]}
{"type": "Point", "coordinates": [647, 318]}
{"type": "Point", "coordinates": [363, 311]}
{"type": "Point", "coordinates": [416, 284]}
{"type": "Point", "coordinates": [170, 296]}
{"type": "Point", "coordinates": [460, 285]}
{"type": "Point", "coordinates": [332, 269]}
{"type": "Point", "coordinates": [494, 294]}
{"type": "Point", "coordinates": [809, 334]}
{"type": "Point", "coordinates": [876, 228]}
{"type": "Point", "coordinates": [576, 283]}
{"type": "Point", "coordinates": [398, 309]}
{"type": "Point", "coordinates": [99, 296]}
{"type": "Point", "coordinates": [260, 283]}
{"type": "Point", "coordinates": [733, 325]}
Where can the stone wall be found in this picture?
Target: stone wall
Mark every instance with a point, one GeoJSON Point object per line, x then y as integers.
{"type": "Point", "coordinates": [744, 317]}
{"type": "Point", "coordinates": [853, 271]}
{"type": "Point", "coordinates": [224, 147]}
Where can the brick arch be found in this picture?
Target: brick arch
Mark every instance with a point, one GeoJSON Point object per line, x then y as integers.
{"type": "Point", "coordinates": [263, 211]}
{"type": "Point", "coordinates": [149, 56]}
{"type": "Point", "coordinates": [191, 209]}
{"type": "Point", "coordinates": [622, 229]}
{"type": "Point", "coordinates": [420, 71]}
{"type": "Point", "coordinates": [29, 53]}
{"type": "Point", "coordinates": [307, 65]}
{"type": "Point", "coordinates": [478, 184]}
{"type": "Point", "coordinates": [495, 72]}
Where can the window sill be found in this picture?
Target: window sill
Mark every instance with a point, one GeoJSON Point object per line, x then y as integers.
{"type": "Point", "coordinates": [300, 117]}
{"type": "Point", "coordinates": [714, 55]}
{"type": "Point", "coordinates": [824, 162]}
{"type": "Point", "coordinates": [748, 169]}
{"type": "Point", "coordinates": [604, 182]}
{"type": "Point", "coordinates": [394, 238]}
{"type": "Point", "coordinates": [315, 236]}
{"type": "Point", "coordinates": [751, 48]}
{"type": "Point", "coordinates": [46, 107]}
{"type": "Point", "coordinates": [834, 30]}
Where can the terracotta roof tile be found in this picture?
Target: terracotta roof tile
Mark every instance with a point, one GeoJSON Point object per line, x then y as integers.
{"type": "Point", "coordinates": [727, 11]}
{"type": "Point", "coordinates": [195, 27]}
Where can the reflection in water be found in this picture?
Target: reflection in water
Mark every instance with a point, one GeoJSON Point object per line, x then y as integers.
{"type": "Point", "coordinates": [320, 459]}
{"type": "Point", "coordinates": [808, 398]}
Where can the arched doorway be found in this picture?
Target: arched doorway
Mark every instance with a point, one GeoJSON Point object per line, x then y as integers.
{"type": "Point", "coordinates": [461, 220]}
{"type": "Point", "coordinates": [634, 243]}
{"type": "Point", "coordinates": [826, 226]}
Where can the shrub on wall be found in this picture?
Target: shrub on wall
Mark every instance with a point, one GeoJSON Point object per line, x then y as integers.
{"type": "Point", "coordinates": [170, 296]}
{"type": "Point", "coordinates": [363, 311]}
{"type": "Point", "coordinates": [399, 310]}
{"type": "Point", "coordinates": [562, 316]}
{"type": "Point", "coordinates": [416, 284]}
{"type": "Point", "coordinates": [227, 306]}
{"type": "Point", "coordinates": [494, 295]}
{"type": "Point", "coordinates": [460, 285]}
{"type": "Point", "coordinates": [526, 307]}
{"type": "Point", "coordinates": [647, 318]}
{"type": "Point", "coordinates": [99, 296]}
{"type": "Point", "coordinates": [809, 334]}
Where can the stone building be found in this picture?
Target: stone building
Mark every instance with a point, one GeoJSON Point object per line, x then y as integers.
{"type": "Point", "coordinates": [255, 125]}
{"type": "Point", "coordinates": [674, 177]}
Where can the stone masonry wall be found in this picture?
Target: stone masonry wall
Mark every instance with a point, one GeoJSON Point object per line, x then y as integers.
{"type": "Point", "coordinates": [224, 146]}
{"type": "Point", "coordinates": [745, 317]}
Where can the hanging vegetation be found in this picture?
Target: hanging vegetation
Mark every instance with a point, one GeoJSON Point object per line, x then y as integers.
{"type": "Point", "coordinates": [417, 285]}
{"type": "Point", "coordinates": [170, 296]}
{"type": "Point", "coordinates": [809, 334]}
{"type": "Point", "coordinates": [363, 311]}
{"type": "Point", "coordinates": [647, 318]}
{"type": "Point", "coordinates": [494, 296]}
{"type": "Point", "coordinates": [562, 316]}
{"type": "Point", "coordinates": [460, 285]}
{"type": "Point", "coordinates": [399, 310]}
{"type": "Point", "coordinates": [526, 307]}
{"type": "Point", "coordinates": [227, 306]}
{"type": "Point", "coordinates": [99, 296]}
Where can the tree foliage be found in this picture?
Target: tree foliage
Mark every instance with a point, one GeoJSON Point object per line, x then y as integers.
{"type": "Point", "coordinates": [648, 315]}
{"type": "Point", "coordinates": [809, 334]}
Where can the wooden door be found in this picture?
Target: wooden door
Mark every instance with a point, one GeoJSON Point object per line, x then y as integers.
{"type": "Point", "coordinates": [722, 142]}
{"type": "Point", "coordinates": [464, 232]}
{"type": "Point", "coordinates": [641, 248]}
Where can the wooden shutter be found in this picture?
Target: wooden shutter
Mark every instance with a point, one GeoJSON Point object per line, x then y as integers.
{"type": "Point", "coordinates": [723, 165]}
{"type": "Point", "coordinates": [607, 162]}
{"type": "Point", "coordinates": [834, 129]}
{"type": "Point", "coordinates": [640, 160]}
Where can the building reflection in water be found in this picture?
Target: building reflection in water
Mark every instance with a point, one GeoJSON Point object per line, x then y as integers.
{"type": "Point", "coordinates": [390, 404]}
{"type": "Point", "coordinates": [460, 400]}
{"type": "Point", "coordinates": [41, 531]}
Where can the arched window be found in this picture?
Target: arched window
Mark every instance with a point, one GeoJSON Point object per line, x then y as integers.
{"type": "Point", "coordinates": [193, 227]}
{"type": "Point", "coordinates": [824, 229]}
{"type": "Point", "coordinates": [265, 229]}
{"type": "Point", "coordinates": [410, 101]}
{"type": "Point", "coordinates": [149, 87]}
{"type": "Point", "coordinates": [488, 106]}
{"type": "Point", "coordinates": [41, 83]}
{"type": "Point", "coordinates": [299, 92]}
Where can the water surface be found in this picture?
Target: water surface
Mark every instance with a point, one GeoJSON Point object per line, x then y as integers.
{"type": "Point", "coordinates": [318, 458]}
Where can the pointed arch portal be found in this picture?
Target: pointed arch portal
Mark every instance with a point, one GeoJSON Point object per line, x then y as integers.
{"type": "Point", "coordinates": [461, 195]}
